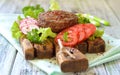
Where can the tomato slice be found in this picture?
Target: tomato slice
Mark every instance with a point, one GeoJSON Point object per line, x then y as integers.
{"type": "Point", "coordinates": [81, 32]}
{"type": "Point", "coordinates": [89, 29]}
{"type": "Point", "coordinates": [76, 34]}
{"type": "Point", "coordinates": [72, 37]}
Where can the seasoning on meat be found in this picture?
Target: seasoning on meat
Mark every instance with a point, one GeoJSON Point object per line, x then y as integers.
{"type": "Point", "coordinates": [57, 20]}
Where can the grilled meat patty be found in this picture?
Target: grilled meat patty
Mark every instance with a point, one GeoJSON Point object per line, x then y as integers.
{"type": "Point", "coordinates": [57, 20]}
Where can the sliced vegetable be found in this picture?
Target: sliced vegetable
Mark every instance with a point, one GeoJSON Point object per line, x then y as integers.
{"type": "Point", "coordinates": [40, 35]}
{"type": "Point", "coordinates": [54, 5]}
{"type": "Point", "coordinates": [76, 34]}
{"type": "Point", "coordinates": [32, 11]}
{"type": "Point", "coordinates": [72, 37]}
{"type": "Point", "coordinates": [97, 24]}
{"type": "Point", "coordinates": [27, 24]}
{"type": "Point", "coordinates": [81, 32]}
{"type": "Point", "coordinates": [106, 23]}
{"type": "Point", "coordinates": [89, 29]}
{"type": "Point", "coordinates": [16, 33]}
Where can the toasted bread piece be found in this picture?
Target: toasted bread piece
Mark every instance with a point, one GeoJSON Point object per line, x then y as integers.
{"type": "Point", "coordinates": [68, 64]}
{"type": "Point", "coordinates": [96, 46]}
{"type": "Point", "coordinates": [82, 47]}
{"type": "Point", "coordinates": [27, 48]}
{"type": "Point", "coordinates": [44, 49]}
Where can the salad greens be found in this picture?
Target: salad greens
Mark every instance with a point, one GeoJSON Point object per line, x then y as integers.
{"type": "Point", "coordinates": [33, 36]}
{"type": "Point", "coordinates": [46, 32]}
{"type": "Point", "coordinates": [32, 11]}
{"type": "Point", "coordinates": [87, 18]}
{"type": "Point", "coordinates": [106, 23]}
{"type": "Point", "coordinates": [16, 33]}
{"type": "Point", "coordinates": [65, 36]}
{"type": "Point", "coordinates": [97, 24]}
{"type": "Point", "coordinates": [19, 18]}
{"type": "Point", "coordinates": [98, 33]}
{"type": "Point", "coordinates": [82, 19]}
{"type": "Point", "coordinates": [54, 5]}
{"type": "Point", "coordinates": [38, 36]}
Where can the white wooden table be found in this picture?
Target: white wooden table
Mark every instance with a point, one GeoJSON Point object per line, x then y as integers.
{"type": "Point", "coordinates": [106, 9]}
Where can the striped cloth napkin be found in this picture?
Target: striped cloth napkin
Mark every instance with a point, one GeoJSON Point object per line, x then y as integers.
{"type": "Point", "coordinates": [112, 53]}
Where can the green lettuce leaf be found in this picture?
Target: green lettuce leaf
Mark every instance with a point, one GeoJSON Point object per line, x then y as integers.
{"type": "Point", "coordinates": [82, 19]}
{"type": "Point", "coordinates": [46, 32]}
{"type": "Point", "coordinates": [98, 33]}
{"type": "Point", "coordinates": [38, 36]}
{"type": "Point", "coordinates": [16, 33]}
{"type": "Point", "coordinates": [32, 11]}
{"type": "Point", "coordinates": [33, 36]}
{"type": "Point", "coordinates": [54, 5]}
{"type": "Point", "coordinates": [19, 18]}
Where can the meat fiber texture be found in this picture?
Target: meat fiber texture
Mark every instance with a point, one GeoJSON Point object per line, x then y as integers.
{"type": "Point", "coordinates": [57, 20]}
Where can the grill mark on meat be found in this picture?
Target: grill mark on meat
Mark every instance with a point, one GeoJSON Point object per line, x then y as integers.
{"type": "Point", "coordinates": [44, 47]}
{"type": "Point", "coordinates": [57, 20]}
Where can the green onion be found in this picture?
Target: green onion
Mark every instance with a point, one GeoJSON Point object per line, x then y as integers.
{"type": "Point", "coordinates": [97, 24]}
{"type": "Point", "coordinates": [106, 23]}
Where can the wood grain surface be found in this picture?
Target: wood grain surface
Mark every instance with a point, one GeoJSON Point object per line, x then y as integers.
{"type": "Point", "coordinates": [12, 63]}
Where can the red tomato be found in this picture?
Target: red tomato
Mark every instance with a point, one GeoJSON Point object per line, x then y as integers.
{"type": "Point", "coordinates": [76, 34]}
{"type": "Point", "coordinates": [81, 32]}
{"type": "Point", "coordinates": [89, 29]}
{"type": "Point", "coordinates": [72, 37]}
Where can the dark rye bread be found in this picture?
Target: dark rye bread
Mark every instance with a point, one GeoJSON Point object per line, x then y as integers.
{"type": "Point", "coordinates": [48, 49]}
{"type": "Point", "coordinates": [68, 64]}
{"type": "Point", "coordinates": [44, 49]}
{"type": "Point", "coordinates": [82, 47]}
{"type": "Point", "coordinates": [27, 48]}
{"type": "Point", "coordinates": [33, 50]}
{"type": "Point", "coordinates": [96, 46]}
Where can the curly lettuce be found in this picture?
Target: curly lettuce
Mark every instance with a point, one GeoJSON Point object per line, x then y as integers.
{"type": "Point", "coordinates": [16, 33]}
{"type": "Point", "coordinates": [32, 11]}
{"type": "Point", "coordinates": [98, 33]}
{"type": "Point", "coordinates": [38, 36]}
{"type": "Point", "coordinates": [82, 19]}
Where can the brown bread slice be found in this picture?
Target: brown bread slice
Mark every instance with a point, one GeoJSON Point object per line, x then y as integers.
{"type": "Point", "coordinates": [44, 49]}
{"type": "Point", "coordinates": [27, 48]}
{"type": "Point", "coordinates": [96, 46]}
{"type": "Point", "coordinates": [82, 47]}
{"type": "Point", "coordinates": [68, 64]}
